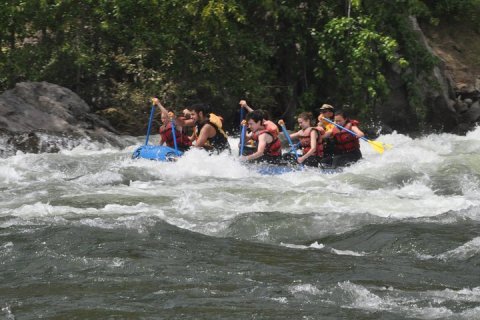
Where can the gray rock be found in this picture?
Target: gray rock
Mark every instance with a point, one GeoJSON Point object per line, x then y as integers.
{"type": "Point", "coordinates": [472, 116]}
{"type": "Point", "coordinates": [461, 106]}
{"type": "Point", "coordinates": [44, 117]}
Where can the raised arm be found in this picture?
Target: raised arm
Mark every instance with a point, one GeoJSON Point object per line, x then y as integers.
{"type": "Point", "coordinates": [157, 102]}
{"type": "Point", "coordinates": [243, 104]}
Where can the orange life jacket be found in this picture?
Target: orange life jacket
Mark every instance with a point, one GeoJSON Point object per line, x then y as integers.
{"type": "Point", "coordinates": [345, 141]}
{"type": "Point", "coordinates": [305, 141]}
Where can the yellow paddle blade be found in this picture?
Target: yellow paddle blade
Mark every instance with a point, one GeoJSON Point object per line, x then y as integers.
{"type": "Point", "coordinates": [377, 146]}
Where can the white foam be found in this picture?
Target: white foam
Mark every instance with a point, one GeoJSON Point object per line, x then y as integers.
{"type": "Point", "coordinates": [464, 252]}
{"type": "Point", "coordinates": [294, 246]}
{"type": "Point", "coordinates": [6, 249]}
{"type": "Point", "coordinates": [100, 178]}
{"type": "Point", "coordinates": [9, 175]}
{"type": "Point", "coordinates": [320, 246]}
{"type": "Point", "coordinates": [282, 300]}
{"type": "Point", "coordinates": [360, 297]}
{"type": "Point", "coordinates": [40, 209]}
{"type": "Point", "coordinates": [317, 245]}
{"type": "Point", "coordinates": [348, 253]}
{"type": "Point", "coordinates": [304, 289]}
{"type": "Point", "coordinates": [206, 193]}
{"type": "Point", "coordinates": [8, 312]}
{"type": "Point", "coordinates": [463, 295]}
{"type": "Point", "coordinates": [406, 303]}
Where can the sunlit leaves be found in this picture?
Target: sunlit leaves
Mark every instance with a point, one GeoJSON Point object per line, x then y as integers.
{"type": "Point", "coordinates": [357, 52]}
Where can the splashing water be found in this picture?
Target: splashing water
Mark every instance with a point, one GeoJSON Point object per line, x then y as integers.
{"type": "Point", "coordinates": [88, 232]}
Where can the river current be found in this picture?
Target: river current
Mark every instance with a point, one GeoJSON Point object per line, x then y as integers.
{"type": "Point", "coordinates": [89, 233]}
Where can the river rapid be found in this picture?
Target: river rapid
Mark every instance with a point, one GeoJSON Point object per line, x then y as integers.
{"type": "Point", "coordinates": [89, 233]}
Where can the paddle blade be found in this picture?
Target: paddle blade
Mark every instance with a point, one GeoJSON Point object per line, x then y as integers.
{"type": "Point", "coordinates": [377, 146]}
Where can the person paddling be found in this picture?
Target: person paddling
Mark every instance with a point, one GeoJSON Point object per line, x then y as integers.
{"type": "Point", "coordinates": [270, 125]}
{"type": "Point", "coordinates": [166, 136]}
{"type": "Point", "coordinates": [311, 140]}
{"type": "Point", "coordinates": [327, 111]}
{"type": "Point", "coordinates": [269, 147]}
{"type": "Point", "coordinates": [250, 146]}
{"type": "Point", "coordinates": [209, 133]}
{"type": "Point", "coordinates": [347, 146]}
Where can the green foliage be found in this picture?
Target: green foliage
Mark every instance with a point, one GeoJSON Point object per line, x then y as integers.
{"type": "Point", "coordinates": [354, 53]}
{"type": "Point", "coordinates": [464, 10]}
{"type": "Point", "coordinates": [280, 55]}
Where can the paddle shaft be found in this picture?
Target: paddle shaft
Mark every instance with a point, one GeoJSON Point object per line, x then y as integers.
{"type": "Point", "coordinates": [242, 134]}
{"type": "Point", "coordinates": [242, 111]}
{"type": "Point", "coordinates": [292, 146]}
{"type": "Point", "coordinates": [152, 111]}
{"type": "Point", "coordinates": [350, 131]}
{"type": "Point", "coordinates": [242, 139]}
{"type": "Point", "coordinates": [174, 134]}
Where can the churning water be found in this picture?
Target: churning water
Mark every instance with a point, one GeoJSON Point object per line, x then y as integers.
{"type": "Point", "coordinates": [90, 233]}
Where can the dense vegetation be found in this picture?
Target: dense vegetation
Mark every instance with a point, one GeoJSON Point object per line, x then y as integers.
{"type": "Point", "coordinates": [284, 56]}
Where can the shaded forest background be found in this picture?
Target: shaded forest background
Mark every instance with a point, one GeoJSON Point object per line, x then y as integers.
{"type": "Point", "coordinates": [283, 56]}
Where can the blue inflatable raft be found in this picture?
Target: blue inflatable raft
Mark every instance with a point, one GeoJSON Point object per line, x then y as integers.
{"type": "Point", "coordinates": [159, 153]}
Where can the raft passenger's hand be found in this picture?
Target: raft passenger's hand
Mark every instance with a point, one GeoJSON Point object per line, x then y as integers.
{"type": "Point", "coordinates": [155, 101]}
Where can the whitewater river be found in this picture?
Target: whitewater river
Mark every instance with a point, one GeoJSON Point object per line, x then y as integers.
{"type": "Point", "coordinates": [89, 233]}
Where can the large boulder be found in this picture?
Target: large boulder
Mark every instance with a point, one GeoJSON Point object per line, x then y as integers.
{"type": "Point", "coordinates": [44, 117]}
{"type": "Point", "coordinates": [446, 97]}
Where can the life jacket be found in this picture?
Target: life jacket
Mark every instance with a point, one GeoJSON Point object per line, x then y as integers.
{"type": "Point", "coordinates": [182, 139]}
{"type": "Point", "coordinates": [219, 141]}
{"type": "Point", "coordinates": [273, 148]}
{"type": "Point", "coordinates": [271, 128]}
{"type": "Point", "coordinates": [305, 141]}
{"type": "Point", "coordinates": [344, 141]}
{"type": "Point", "coordinates": [327, 125]}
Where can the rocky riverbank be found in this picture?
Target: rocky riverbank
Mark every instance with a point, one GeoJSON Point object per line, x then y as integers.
{"type": "Point", "coordinates": [43, 117]}
{"type": "Point", "coordinates": [456, 45]}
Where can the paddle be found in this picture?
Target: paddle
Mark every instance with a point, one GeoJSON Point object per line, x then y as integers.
{"type": "Point", "coordinates": [152, 111]}
{"type": "Point", "coordinates": [242, 137]}
{"type": "Point", "coordinates": [286, 134]}
{"type": "Point", "coordinates": [242, 111]}
{"type": "Point", "coordinates": [376, 145]}
{"type": "Point", "coordinates": [174, 133]}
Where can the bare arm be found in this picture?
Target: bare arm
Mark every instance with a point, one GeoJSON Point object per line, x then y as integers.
{"type": "Point", "coordinates": [207, 132]}
{"type": "Point", "coordinates": [357, 131]}
{"type": "Point", "coordinates": [263, 139]}
{"type": "Point", "coordinates": [296, 134]}
{"type": "Point", "coordinates": [243, 104]}
{"type": "Point", "coordinates": [157, 102]}
{"type": "Point", "coordinates": [313, 146]}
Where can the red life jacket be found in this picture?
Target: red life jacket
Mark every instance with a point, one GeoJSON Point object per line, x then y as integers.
{"type": "Point", "coordinates": [305, 141]}
{"type": "Point", "coordinates": [273, 148]}
{"type": "Point", "coordinates": [345, 141]}
{"type": "Point", "coordinates": [271, 127]}
{"type": "Point", "coordinates": [167, 137]}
